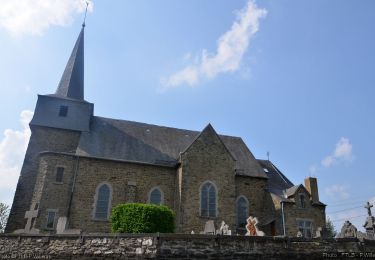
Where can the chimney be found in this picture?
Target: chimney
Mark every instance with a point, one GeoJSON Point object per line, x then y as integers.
{"type": "Point", "coordinates": [311, 184]}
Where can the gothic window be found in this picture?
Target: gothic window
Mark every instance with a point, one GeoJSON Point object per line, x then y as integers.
{"type": "Point", "coordinates": [51, 216]}
{"type": "Point", "coordinates": [305, 227]}
{"type": "Point", "coordinates": [63, 112]}
{"type": "Point", "coordinates": [302, 201]}
{"type": "Point", "coordinates": [103, 197]}
{"type": "Point", "coordinates": [242, 210]}
{"type": "Point", "coordinates": [59, 174]}
{"type": "Point", "coordinates": [156, 196]}
{"type": "Point", "coordinates": [208, 200]}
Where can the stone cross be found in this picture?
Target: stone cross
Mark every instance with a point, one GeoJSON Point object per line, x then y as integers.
{"type": "Point", "coordinates": [30, 215]}
{"type": "Point", "coordinates": [368, 206]}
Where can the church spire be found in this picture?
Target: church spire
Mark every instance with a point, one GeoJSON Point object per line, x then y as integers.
{"type": "Point", "coordinates": [72, 81]}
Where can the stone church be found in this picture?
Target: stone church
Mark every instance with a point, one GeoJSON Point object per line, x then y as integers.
{"type": "Point", "coordinates": [79, 166]}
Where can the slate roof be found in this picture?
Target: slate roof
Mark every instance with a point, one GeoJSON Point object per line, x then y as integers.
{"type": "Point", "coordinates": [277, 181]}
{"type": "Point", "coordinates": [291, 191]}
{"type": "Point", "coordinates": [153, 144]}
{"type": "Point", "coordinates": [72, 81]}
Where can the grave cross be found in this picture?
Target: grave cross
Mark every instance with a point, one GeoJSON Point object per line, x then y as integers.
{"type": "Point", "coordinates": [368, 206]}
{"type": "Point", "coordinates": [251, 229]}
{"type": "Point", "coordinates": [31, 215]}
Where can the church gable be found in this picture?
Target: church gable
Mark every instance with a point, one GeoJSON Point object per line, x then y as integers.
{"type": "Point", "coordinates": [207, 143]}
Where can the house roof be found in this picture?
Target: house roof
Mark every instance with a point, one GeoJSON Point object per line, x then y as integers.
{"type": "Point", "coordinates": [279, 185]}
{"type": "Point", "coordinates": [134, 141]}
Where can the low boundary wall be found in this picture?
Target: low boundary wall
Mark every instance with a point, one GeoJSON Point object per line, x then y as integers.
{"type": "Point", "coordinates": [179, 246]}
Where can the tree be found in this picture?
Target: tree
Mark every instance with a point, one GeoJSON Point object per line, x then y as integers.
{"type": "Point", "coordinates": [4, 212]}
{"type": "Point", "coordinates": [330, 228]}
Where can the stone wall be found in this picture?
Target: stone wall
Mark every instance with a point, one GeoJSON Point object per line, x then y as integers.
{"type": "Point", "coordinates": [206, 160]}
{"type": "Point", "coordinates": [294, 212]}
{"type": "Point", "coordinates": [42, 139]}
{"type": "Point", "coordinates": [128, 181]}
{"type": "Point", "coordinates": [178, 246]}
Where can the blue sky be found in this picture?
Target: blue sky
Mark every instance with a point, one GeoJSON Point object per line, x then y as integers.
{"type": "Point", "coordinates": [297, 80]}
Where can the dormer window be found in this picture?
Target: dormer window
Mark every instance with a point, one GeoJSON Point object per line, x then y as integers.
{"type": "Point", "coordinates": [302, 201]}
{"type": "Point", "coordinates": [63, 111]}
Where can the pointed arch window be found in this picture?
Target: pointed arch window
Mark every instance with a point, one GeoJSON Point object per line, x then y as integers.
{"type": "Point", "coordinates": [208, 200]}
{"type": "Point", "coordinates": [103, 199]}
{"type": "Point", "coordinates": [242, 211]}
{"type": "Point", "coordinates": [155, 196]}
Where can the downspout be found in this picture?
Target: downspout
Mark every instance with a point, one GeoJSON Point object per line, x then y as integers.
{"type": "Point", "coordinates": [73, 185]}
{"type": "Point", "coordinates": [283, 218]}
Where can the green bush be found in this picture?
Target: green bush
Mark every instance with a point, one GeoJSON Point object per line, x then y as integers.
{"type": "Point", "coordinates": [142, 218]}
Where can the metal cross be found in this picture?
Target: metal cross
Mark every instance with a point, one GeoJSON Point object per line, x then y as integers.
{"type": "Point", "coordinates": [84, 19]}
{"type": "Point", "coordinates": [368, 206]}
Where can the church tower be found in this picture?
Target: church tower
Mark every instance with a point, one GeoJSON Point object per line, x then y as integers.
{"type": "Point", "coordinates": [58, 121]}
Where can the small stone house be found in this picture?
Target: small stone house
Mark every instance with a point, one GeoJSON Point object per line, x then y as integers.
{"type": "Point", "coordinates": [78, 166]}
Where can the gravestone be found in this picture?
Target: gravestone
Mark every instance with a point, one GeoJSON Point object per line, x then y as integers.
{"type": "Point", "coordinates": [62, 227]}
{"type": "Point", "coordinates": [252, 227]}
{"type": "Point", "coordinates": [348, 230]}
{"type": "Point", "coordinates": [209, 228]}
{"type": "Point", "coordinates": [224, 229]}
{"type": "Point", "coordinates": [321, 232]}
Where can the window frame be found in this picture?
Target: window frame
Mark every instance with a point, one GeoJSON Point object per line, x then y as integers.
{"type": "Point", "coordinates": [161, 195]}
{"type": "Point", "coordinates": [303, 228]}
{"type": "Point", "coordinates": [302, 200]}
{"type": "Point", "coordinates": [63, 110]}
{"type": "Point", "coordinates": [247, 209]}
{"type": "Point", "coordinates": [48, 211]}
{"type": "Point", "coordinates": [216, 200]}
{"type": "Point", "coordinates": [93, 216]}
{"type": "Point", "coordinates": [63, 173]}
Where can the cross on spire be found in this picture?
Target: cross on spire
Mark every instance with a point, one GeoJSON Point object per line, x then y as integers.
{"type": "Point", "coordinates": [84, 19]}
{"type": "Point", "coordinates": [368, 206]}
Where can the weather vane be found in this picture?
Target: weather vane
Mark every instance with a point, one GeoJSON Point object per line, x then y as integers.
{"type": "Point", "coordinates": [84, 19]}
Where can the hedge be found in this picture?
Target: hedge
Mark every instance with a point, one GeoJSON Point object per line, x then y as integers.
{"type": "Point", "coordinates": [142, 218]}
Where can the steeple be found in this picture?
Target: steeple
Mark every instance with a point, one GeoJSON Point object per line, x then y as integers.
{"type": "Point", "coordinates": [72, 81]}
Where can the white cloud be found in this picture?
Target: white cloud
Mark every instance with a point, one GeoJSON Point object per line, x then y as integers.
{"type": "Point", "coordinates": [12, 151]}
{"type": "Point", "coordinates": [337, 192]}
{"type": "Point", "coordinates": [312, 169]}
{"type": "Point", "coordinates": [232, 46]}
{"type": "Point", "coordinates": [342, 152]}
{"type": "Point", "coordinates": [36, 16]}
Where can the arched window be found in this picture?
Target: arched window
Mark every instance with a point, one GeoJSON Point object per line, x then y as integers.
{"type": "Point", "coordinates": [103, 197]}
{"type": "Point", "coordinates": [208, 200]}
{"type": "Point", "coordinates": [242, 210]}
{"type": "Point", "coordinates": [155, 196]}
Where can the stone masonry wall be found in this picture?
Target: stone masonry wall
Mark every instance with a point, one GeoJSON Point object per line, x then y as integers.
{"type": "Point", "coordinates": [125, 180]}
{"type": "Point", "coordinates": [42, 139]}
{"type": "Point", "coordinates": [178, 246]}
{"type": "Point", "coordinates": [129, 183]}
{"type": "Point", "coordinates": [53, 195]}
{"type": "Point", "coordinates": [207, 159]}
{"type": "Point", "coordinates": [260, 201]}
{"type": "Point", "coordinates": [294, 212]}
